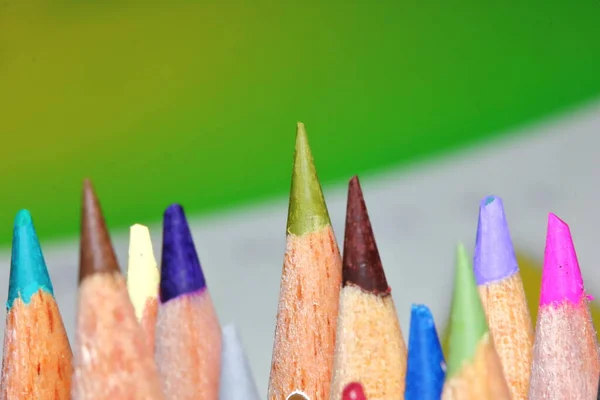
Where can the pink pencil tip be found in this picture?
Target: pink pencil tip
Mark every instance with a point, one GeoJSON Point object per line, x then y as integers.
{"type": "Point", "coordinates": [353, 391]}
{"type": "Point", "coordinates": [561, 277]}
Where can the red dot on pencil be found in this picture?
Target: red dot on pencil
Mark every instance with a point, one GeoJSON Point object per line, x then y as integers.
{"type": "Point", "coordinates": [353, 391]}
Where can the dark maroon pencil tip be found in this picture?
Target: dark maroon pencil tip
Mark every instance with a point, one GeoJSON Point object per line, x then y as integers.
{"type": "Point", "coordinates": [362, 264]}
{"type": "Point", "coordinates": [96, 253]}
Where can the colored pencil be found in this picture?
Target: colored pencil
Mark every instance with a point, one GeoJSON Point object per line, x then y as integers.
{"type": "Point", "coordinates": [188, 335]}
{"type": "Point", "coordinates": [112, 359]}
{"type": "Point", "coordinates": [37, 357]}
{"type": "Point", "coordinates": [237, 381]}
{"type": "Point", "coordinates": [503, 296]}
{"type": "Point", "coordinates": [566, 363]}
{"type": "Point", "coordinates": [298, 396]}
{"type": "Point", "coordinates": [426, 368]}
{"type": "Point", "coordinates": [370, 348]}
{"type": "Point", "coordinates": [353, 391]}
{"type": "Point", "coordinates": [143, 279]}
{"type": "Point", "coordinates": [474, 370]}
{"type": "Point", "coordinates": [309, 292]}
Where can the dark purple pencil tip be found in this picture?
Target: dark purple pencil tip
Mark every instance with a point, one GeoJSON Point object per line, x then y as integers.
{"type": "Point", "coordinates": [181, 272]}
{"type": "Point", "coordinates": [494, 258]}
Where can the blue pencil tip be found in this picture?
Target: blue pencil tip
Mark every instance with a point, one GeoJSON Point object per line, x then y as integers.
{"type": "Point", "coordinates": [181, 272]}
{"type": "Point", "coordinates": [28, 272]}
{"type": "Point", "coordinates": [426, 368]}
{"type": "Point", "coordinates": [494, 258]}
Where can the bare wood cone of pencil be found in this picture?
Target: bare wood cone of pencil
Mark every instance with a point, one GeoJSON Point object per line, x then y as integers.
{"type": "Point", "coordinates": [309, 293]}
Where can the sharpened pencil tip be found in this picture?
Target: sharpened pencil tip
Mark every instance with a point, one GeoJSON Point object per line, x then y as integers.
{"type": "Point", "coordinates": [361, 264]}
{"type": "Point", "coordinates": [353, 391]}
{"type": "Point", "coordinates": [298, 396]}
{"type": "Point", "coordinates": [468, 322]}
{"type": "Point", "coordinates": [96, 254]}
{"type": "Point", "coordinates": [142, 272]}
{"type": "Point", "coordinates": [28, 272]}
{"type": "Point", "coordinates": [181, 272]}
{"type": "Point", "coordinates": [426, 368]}
{"type": "Point", "coordinates": [494, 257]}
{"type": "Point", "coordinates": [561, 276]}
{"type": "Point", "coordinates": [307, 209]}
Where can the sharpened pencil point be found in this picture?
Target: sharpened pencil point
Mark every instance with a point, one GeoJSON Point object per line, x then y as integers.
{"type": "Point", "coordinates": [307, 210]}
{"type": "Point", "coordinates": [181, 272]}
{"type": "Point", "coordinates": [361, 264]}
{"type": "Point", "coordinates": [298, 396]}
{"type": "Point", "coordinates": [142, 272]}
{"type": "Point", "coordinates": [468, 322]}
{"type": "Point", "coordinates": [426, 368]}
{"type": "Point", "coordinates": [353, 391]}
{"type": "Point", "coordinates": [561, 276]}
{"type": "Point", "coordinates": [28, 272]}
{"type": "Point", "coordinates": [96, 254]}
{"type": "Point", "coordinates": [237, 381]}
{"type": "Point", "coordinates": [494, 258]}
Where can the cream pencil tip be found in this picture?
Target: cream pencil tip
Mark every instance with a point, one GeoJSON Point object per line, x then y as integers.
{"type": "Point", "coordinates": [142, 271]}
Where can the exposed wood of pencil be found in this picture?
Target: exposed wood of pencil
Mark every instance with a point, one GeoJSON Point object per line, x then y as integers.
{"type": "Point", "coordinates": [566, 362]}
{"type": "Point", "coordinates": [37, 355]}
{"type": "Point", "coordinates": [148, 320]}
{"type": "Point", "coordinates": [508, 317]}
{"type": "Point", "coordinates": [188, 347]}
{"type": "Point", "coordinates": [479, 379]}
{"type": "Point", "coordinates": [370, 347]}
{"type": "Point", "coordinates": [113, 361]}
{"type": "Point", "coordinates": [305, 332]}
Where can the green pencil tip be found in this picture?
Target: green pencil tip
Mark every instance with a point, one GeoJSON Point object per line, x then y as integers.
{"type": "Point", "coordinates": [307, 211]}
{"type": "Point", "coordinates": [468, 322]}
{"type": "Point", "coordinates": [28, 272]}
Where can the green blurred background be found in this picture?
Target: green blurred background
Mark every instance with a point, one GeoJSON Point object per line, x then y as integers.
{"type": "Point", "coordinates": [196, 102]}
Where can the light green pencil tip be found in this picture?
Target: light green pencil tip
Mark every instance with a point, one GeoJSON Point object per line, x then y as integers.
{"type": "Point", "coordinates": [468, 322]}
{"type": "Point", "coordinates": [307, 212]}
{"type": "Point", "coordinates": [28, 272]}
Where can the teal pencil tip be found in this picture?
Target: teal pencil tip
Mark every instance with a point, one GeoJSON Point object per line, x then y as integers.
{"type": "Point", "coordinates": [23, 218]}
{"type": "Point", "coordinates": [28, 272]}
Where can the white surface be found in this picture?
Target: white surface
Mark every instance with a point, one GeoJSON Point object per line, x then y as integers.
{"type": "Point", "coordinates": [418, 216]}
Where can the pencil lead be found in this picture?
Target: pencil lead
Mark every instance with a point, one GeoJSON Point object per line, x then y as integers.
{"type": "Point", "coordinates": [426, 368]}
{"type": "Point", "coordinates": [561, 277]}
{"type": "Point", "coordinates": [96, 254]}
{"type": "Point", "coordinates": [28, 272]}
{"type": "Point", "coordinates": [181, 272]}
{"type": "Point", "coordinates": [297, 396]}
{"type": "Point", "coordinates": [467, 319]}
{"type": "Point", "coordinates": [361, 265]}
{"type": "Point", "coordinates": [494, 258]}
{"type": "Point", "coordinates": [353, 391]}
{"type": "Point", "coordinates": [142, 271]}
{"type": "Point", "coordinates": [307, 210]}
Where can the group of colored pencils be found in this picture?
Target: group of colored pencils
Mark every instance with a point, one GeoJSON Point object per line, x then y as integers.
{"type": "Point", "coordinates": [156, 335]}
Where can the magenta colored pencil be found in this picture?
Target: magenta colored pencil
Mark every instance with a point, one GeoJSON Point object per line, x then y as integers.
{"type": "Point", "coordinates": [566, 362]}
